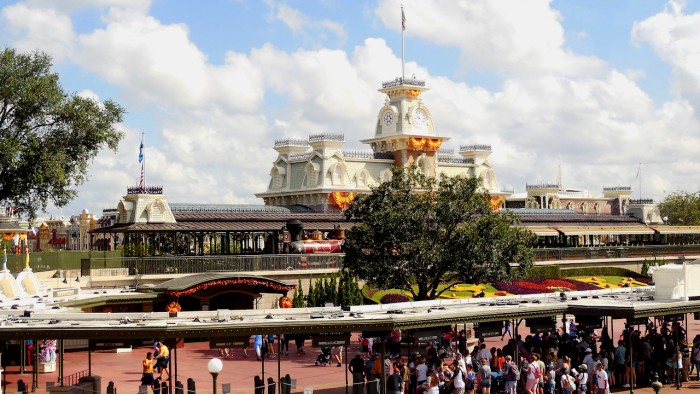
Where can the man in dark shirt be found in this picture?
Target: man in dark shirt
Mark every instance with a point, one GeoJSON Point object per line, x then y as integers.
{"type": "Point", "coordinates": [393, 384]}
{"type": "Point", "coordinates": [357, 369]}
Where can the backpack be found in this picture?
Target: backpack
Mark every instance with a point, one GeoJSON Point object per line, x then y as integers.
{"type": "Point", "coordinates": [537, 372]}
{"type": "Point", "coordinates": [570, 385]}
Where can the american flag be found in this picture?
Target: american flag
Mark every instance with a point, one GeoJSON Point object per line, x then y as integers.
{"type": "Point", "coordinates": [403, 20]}
{"type": "Point", "coordinates": [142, 180]}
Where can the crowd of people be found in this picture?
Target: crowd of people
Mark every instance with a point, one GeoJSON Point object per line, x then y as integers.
{"type": "Point", "coordinates": [566, 361]}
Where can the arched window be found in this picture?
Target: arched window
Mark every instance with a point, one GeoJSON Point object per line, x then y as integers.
{"type": "Point", "coordinates": [278, 174]}
{"type": "Point", "coordinates": [336, 174]}
{"type": "Point", "coordinates": [312, 170]}
{"type": "Point", "coordinates": [385, 175]}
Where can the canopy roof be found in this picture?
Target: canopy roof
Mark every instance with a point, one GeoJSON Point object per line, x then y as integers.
{"type": "Point", "coordinates": [66, 324]}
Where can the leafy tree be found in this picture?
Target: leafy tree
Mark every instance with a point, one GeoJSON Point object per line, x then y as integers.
{"type": "Point", "coordinates": [681, 209]}
{"type": "Point", "coordinates": [47, 136]}
{"type": "Point", "coordinates": [417, 233]}
{"type": "Point", "coordinates": [349, 292]}
{"type": "Point", "coordinates": [320, 292]}
{"type": "Point", "coordinates": [332, 290]}
{"type": "Point", "coordinates": [298, 301]}
{"type": "Point", "coordinates": [312, 297]}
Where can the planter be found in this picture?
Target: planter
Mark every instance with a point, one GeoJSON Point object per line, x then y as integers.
{"type": "Point", "coordinates": [172, 314]}
{"type": "Point", "coordinates": [47, 367]}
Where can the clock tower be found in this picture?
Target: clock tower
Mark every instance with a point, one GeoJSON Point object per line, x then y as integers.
{"type": "Point", "coordinates": [405, 127]}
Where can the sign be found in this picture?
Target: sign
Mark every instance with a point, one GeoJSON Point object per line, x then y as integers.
{"type": "Point", "coordinates": [423, 337]}
{"type": "Point", "coordinates": [540, 325]}
{"type": "Point", "coordinates": [222, 343]}
{"type": "Point", "coordinates": [638, 321]}
{"type": "Point", "coordinates": [108, 345]}
{"type": "Point", "coordinates": [671, 318]}
{"type": "Point", "coordinates": [331, 339]}
{"type": "Point", "coordinates": [588, 323]}
{"type": "Point", "coordinates": [490, 329]}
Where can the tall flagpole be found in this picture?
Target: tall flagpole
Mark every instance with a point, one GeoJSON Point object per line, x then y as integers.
{"type": "Point", "coordinates": [142, 160]}
{"type": "Point", "coordinates": [403, 28]}
{"type": "Point", "coordinates": [640, 181]}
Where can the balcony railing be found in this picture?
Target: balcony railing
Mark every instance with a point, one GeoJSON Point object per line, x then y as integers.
{"type": "Point", "coordinates": [291, 262]}
{"type": "Point", "coordinates": [199, 264]}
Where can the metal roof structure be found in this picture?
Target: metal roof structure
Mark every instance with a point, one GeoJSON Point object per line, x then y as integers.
{"type": "Point", "coordinates": [66, 324]}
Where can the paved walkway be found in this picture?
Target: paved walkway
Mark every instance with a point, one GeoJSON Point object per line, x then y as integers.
{"type": "Point", "coordinates": [124, 369]}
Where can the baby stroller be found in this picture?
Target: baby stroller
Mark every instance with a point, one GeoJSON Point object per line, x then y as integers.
{"type": "Point", "coordinates": [325, 357]}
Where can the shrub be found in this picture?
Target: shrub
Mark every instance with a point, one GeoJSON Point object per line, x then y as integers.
{"type": "Point", "coordinates": [544, 271]}
{"type": "Point", "coordinates": [599, 271]}
{"type": "Point", "coordinates": [392, 298]}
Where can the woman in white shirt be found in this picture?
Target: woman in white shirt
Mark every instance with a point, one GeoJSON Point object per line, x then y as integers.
{"type": "Point", "coordinates": [582, 379]}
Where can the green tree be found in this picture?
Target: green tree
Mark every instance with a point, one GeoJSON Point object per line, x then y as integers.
{"type": "Point", "coordinates": [312, 297]}
{"type": "Point", "coordinates": [424, 234]}
{"type": "Point", "coordinates": [298, 301]}
{"type": "Point", "coordinates": [332, 290]}
{"type": "Point", "coordinates": [681, 209]}
{"type": "Point", "coordinates": [47, 136]}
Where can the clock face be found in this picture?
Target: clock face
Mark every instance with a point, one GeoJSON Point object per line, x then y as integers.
{"type": "Point", "coordinates": [419, 117]}
{"type": "Point", "coordinates": [388, 118]}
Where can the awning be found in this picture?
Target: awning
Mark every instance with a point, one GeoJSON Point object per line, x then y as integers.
{"type": "Point", "coordinates": [605, 230]}
{"type": "Point", "coordinates": [677, 229]}
{"type": "Point", "coordinates": [543, 231]}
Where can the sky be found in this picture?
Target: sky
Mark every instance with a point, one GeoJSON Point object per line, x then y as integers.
{"type": "Point", "coordinates": [592, 90]}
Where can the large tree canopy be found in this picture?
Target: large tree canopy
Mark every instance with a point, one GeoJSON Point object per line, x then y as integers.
{"type": "Point", "coordinates": [681, 209]}
{"type": "Point", "coordinates": [417, 233]}
{"type": "Point", "coordinates": [47, 136]}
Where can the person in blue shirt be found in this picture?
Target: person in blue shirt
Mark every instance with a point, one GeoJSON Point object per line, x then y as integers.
{"type": "Point", "coordinates": [257, 345]}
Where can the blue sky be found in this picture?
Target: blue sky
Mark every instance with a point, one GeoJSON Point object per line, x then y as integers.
{"type": "Point", "coordinates": [595, 87]}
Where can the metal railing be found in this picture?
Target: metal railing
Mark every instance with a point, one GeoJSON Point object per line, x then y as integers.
{"type": "Point", "coordinates": [199, 264]}
{"type": "Point", "coordinates": [74, 378]}
{"type": "Point", "coordinates": [288, 262]}
{"type": "Point", "coordinates": [603, 252]}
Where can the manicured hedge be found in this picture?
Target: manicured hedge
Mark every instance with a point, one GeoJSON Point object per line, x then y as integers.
{"type": "Point", "coordinates": [544, 271]}
{"type": "Point", "coordinates": [600, 271]}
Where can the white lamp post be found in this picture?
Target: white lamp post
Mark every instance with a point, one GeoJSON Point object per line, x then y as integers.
{"type": "Point", "coordinates": [215, 366]}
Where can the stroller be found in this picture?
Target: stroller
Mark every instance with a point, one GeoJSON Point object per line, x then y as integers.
{"type": "Point", "coordinates": [325, 357]}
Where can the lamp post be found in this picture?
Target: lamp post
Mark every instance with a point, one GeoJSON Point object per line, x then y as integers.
{"type": "Point", "coordinates": [215, 366]}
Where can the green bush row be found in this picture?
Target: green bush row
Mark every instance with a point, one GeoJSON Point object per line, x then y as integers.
{"type": "Point", "coordinates": [554, 271]}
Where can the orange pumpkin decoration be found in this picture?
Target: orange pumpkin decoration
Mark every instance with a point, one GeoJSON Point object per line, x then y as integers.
{"type": "Point", "coordinates": [285, 302]}
{"type": "Point", "coordinates": [173, 307]}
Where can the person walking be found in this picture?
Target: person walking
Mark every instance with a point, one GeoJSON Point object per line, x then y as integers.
{"type": "Point", "coordinates": [394, 382]}
{"type": "Point", "coordinates": [147, 370]}
{"type": "Point", "coordinates": [357, 369]}
{"type": "Point", "coordinates": [257, 345]}
{"type": "Point", "coordinates": [601, 381]}
{"type": "Point", "coordinates": [457, 378]}
{"type": "Point", "coordinates": [163, 360]}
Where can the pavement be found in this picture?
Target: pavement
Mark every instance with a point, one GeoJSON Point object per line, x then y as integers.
{"type": "Point", "coordinates": [124, 369]}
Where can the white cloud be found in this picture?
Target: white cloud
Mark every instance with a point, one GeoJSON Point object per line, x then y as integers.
{"type": "Point", "coordinates": [43, 29]}
{"type": "Point", "coordinates": [674, 36]}
{"type": "Point", "coordinates": [510, 37]}
{"type": "Point", "coordinates": [215, 124]}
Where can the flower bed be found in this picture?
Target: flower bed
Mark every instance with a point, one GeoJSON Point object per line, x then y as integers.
{"type": "Point", "coordinates": [543, 285]}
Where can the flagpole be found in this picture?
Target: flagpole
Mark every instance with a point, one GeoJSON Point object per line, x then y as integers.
{"type": "Point", "coordinates": [403, 28]}
{"type": "Point", "coordinates": [640, 181]}
{"type": "Point", "coordinates": [143, 163]}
